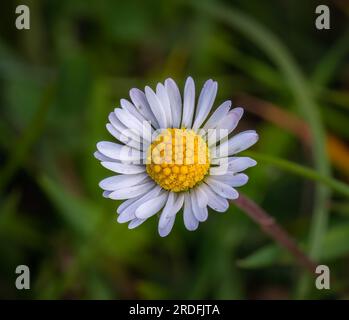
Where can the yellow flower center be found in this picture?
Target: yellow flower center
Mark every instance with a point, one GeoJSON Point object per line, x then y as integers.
{"type": "Point", "coordinates": [178, 159]}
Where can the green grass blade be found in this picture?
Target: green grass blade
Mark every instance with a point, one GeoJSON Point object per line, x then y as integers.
{"type": "Point", "coordinates": [30, 135]}
{"type": "Point", "coordinates": [328, 65]}
{"type": "Point", "coordinates": [302, 171]}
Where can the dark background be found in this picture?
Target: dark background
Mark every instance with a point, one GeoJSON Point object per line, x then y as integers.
{"type": "Point", "coordinates": [59, 81]}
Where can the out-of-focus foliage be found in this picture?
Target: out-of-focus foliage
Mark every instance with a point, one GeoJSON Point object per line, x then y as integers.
{"type": "Point", "coordinates": [60, 79]}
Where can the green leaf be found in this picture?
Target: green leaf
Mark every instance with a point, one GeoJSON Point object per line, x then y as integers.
{"type": "Point", "coordinates": [336, 243]}
{"type": "Point", "coordinates": [14, 228]}
{"type": "Point", "coordinates": [327, 67]}
{"type": "Point", "coordinates": [30, 135]}
{"type": "Point", "coordinates": [264, 257]}
{"type": "Point", "coordinates": [80, 214]}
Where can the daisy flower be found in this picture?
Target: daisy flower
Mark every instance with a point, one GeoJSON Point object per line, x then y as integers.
{"type": "Point", "coordinates": [174, 154]}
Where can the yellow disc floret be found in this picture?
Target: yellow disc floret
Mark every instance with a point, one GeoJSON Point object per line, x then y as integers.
{"type": "Point", "coordinates": [178, 159]}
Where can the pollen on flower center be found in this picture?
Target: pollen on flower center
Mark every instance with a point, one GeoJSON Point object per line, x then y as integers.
{"type": "Point", "coordinates": [178, 159]}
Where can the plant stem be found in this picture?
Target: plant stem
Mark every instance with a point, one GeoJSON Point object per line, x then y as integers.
{"type": "Point", "coordinates": [274, 230]}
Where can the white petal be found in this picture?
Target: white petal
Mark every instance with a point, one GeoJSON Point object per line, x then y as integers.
{"type": "Point", "coordinates": [123, 206]}
{"type": "Point", "coordinates": [122, 138]}
{"type": "Point", "coordinates": [122, 181]}
{"type": "Point", "coordinates": [161, 93]}
{"type": "Point", "coordinates": [152, 206]}
{"type": "Point", "coordinates": [135, 223]}
{"type": "Point", "coordinates": [201, 197]}
{"type": "Point", "coordinates": [156, 107]}
{"type": "Point", "coordinates": [129, 107]}
{"type": "Point", "coordinates": [167, 209]}
{"type": "Point", "coordinates": [239, 180]}
{"type": "Point", "coordinates": [190, 222]}
{"type": "Point", "coordinates": [178, 204]}
{"type": "Point", "coordinates": [141, 103]}
{"type": "Point", "coordinates": [215, 201]}
{"type": "Point", "coordinates": [242, 141]}
{"type": "Point", "coordinates": [218, 115]}
{"type": "Point", "coordinates": [126, 216]}
{"type": "Point", "coordinates": [175, 101]}
{"type": "Point", "coordinates": [130, 122]}
{"type": "Point", "coordinates": [200, 213]}
{"type": "Point", "coordinates": [132, 206]}
{"type": "Point", "coordinates": [173, 205]}
{"type": "Point", "coordinates": [102, 157]}
{"type": "Point", "coordinates": [131, 192]}
{"type": "Point", "coordinates": [205, 103]}
{"type": "Point", "coordinates": [123, 168]}
{"type": "Point", "coordinates": [119, 151]}
{"type": "Point", "coordinates": [109, 149]}
{"type": "Point", "coordinates": [147, 129]}
{"type": "Point", "coordinates": [163, 232]}
{"type": "Point", "coordinates": [241, 163]}
{"type": "Point", "coordinates": [226, 178]}
{"type": "Point", "coordinates": [231, 165]}
{"type": "Point", "coordinates": [237, 114]}
{"type": "Point", "coordinates": [226, 125]}
{"type": "Point", "coordinates": [222, 189]}
{"type": "Point", "coordinates": [106, 194]}
{"type": "Point", "coordinates": [122, 129]}
{"type": "Point", "coordinates": [188, 103]}
{"type": "Point", "coordinates": [236, 144]}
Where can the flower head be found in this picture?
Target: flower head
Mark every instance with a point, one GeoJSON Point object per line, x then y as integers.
{"type": "Point", "coordinates": [173, 155]}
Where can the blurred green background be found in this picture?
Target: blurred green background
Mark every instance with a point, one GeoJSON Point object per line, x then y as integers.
{"type": "Point", "coordinates": [59, 81]}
